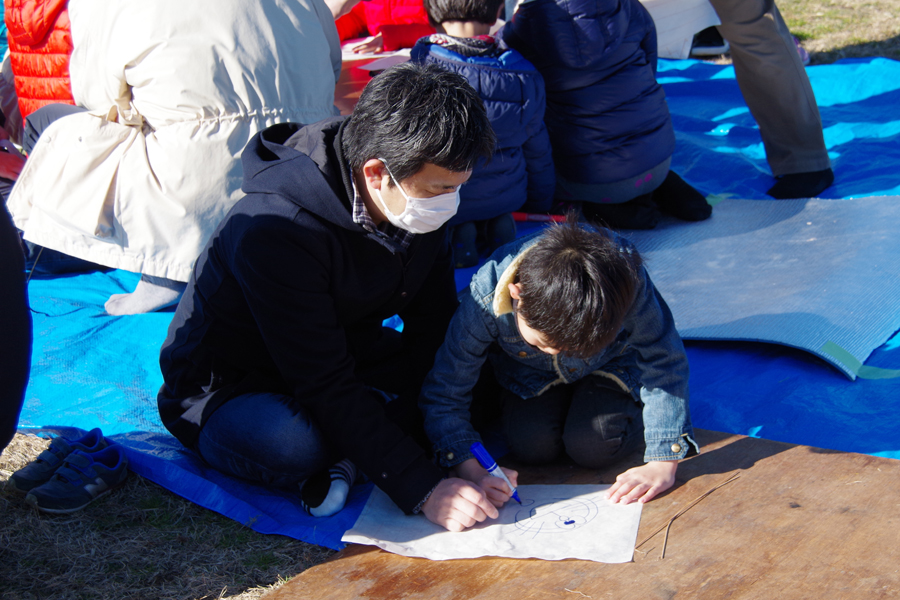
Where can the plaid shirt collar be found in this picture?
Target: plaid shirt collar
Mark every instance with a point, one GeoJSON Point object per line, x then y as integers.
{"type": "Point", "coordinates": [400, 237]}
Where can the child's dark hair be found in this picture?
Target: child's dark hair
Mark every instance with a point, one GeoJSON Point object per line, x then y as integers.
{"type": "Point", "coordinates": [482, 11]}
{"type": "Point", "coordinates": [577, 285]}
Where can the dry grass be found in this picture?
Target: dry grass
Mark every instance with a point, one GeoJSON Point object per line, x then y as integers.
{"type": "Point", "coordinates": [139, 542]}
{"type": "Point", "coordinates": [143, 542]}
{"type": "Point", "coordinates": [834, 29]}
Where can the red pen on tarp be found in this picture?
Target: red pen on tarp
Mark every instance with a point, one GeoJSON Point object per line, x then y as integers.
{"type": "Point", "coordinates": [535, 217]}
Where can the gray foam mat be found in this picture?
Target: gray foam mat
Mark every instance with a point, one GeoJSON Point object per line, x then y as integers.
{"type": "Point", "coordinates": [818, 275]}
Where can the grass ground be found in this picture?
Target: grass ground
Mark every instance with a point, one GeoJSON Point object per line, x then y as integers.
{"type": "Point", "coordinates": [143, 542]}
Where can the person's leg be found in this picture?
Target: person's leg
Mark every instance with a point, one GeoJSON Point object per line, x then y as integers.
{"type": "Point", "coordinates": [150, 295]}
{"type": "Point", "coordinates": [776, 88]}
{"type": "Point", "coordinates": [604, 423]}
{"type": "Point", "coordinates": [533, 427]}
{"type": "Point", "coordinates": [40, 260]}
{"type": "Point", "coordinates": [15, 323]}
{"type": "Point", "coordinates": [268, 439]}
{"type": "Point", "coordinates": [624, 204]}
{"type": "Point", "coordinates": [39, 120]}
{"type": "Point", "coordinates": [265, 438]}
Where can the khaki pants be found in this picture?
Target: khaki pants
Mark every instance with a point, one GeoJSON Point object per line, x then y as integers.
{"type": "Point", "coordinates": [774, 84]}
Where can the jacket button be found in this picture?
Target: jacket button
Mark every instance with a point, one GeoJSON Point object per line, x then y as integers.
{"type": "Point", "coordinates": [523, 354]}
{"type": "Point", "coordinates": [403, 294]}
{"type": "Point", "coordinates": [384, 475]}
{"type": "Point", "coordinates": [676, 448]}
{"type": "Point", "coordinates": [450, 456]}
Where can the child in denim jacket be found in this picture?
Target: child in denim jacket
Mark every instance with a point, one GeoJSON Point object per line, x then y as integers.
{"type": "Point", "coordinates": [588, 357]}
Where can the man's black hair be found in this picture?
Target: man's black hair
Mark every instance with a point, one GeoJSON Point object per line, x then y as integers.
{"type": "Point", "coordinates": [577, 286]}
{"type": "Point", "coordinates": [413, 114]}
{"type": "Point", "coordinates": [482, 11]}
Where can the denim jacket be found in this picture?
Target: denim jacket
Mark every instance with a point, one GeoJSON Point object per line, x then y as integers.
{"type": "Point", "coordinates": [647, 359]}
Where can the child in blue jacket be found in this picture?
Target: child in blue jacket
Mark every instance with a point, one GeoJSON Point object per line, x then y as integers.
{"type": "Point", "coordinates": [520, 174]}
{"type": "Point", "coordinates": [586, 355]}
{"type": "Point", "coordinates": [607, 116]}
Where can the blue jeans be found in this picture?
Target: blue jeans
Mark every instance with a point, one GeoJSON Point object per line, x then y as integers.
{"type": "Point", "coordinates": [265, 438]}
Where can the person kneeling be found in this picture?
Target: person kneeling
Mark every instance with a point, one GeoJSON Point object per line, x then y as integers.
{"type": "Point", "coordinates": [277, 367]}
{"type": "Point", "coordinates": [588, 357]}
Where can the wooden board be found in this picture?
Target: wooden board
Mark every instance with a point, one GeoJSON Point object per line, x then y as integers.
{"type": "Point", "coordinates": [799, 522]}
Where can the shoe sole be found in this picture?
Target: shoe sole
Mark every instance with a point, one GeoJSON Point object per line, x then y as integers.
{"type": "Point", "coordinates": [711, 50]}
{"type": "Point", "coordinates": [11, 486]}
{"type": "Point", "coordinates": [33, 502]}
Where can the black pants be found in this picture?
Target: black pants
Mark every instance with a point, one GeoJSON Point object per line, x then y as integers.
{"type": "Point", "coordinates": [15, 323]}
{"type": "Point", "coordinates": [592, 421]}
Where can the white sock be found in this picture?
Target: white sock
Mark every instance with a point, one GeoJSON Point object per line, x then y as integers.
{"type": "Point", "coordinates": [151, 294]}
{"type": "Point", "coordinates": [325, 493]}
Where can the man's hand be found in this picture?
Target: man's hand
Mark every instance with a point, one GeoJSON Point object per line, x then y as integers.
{"type": "Point", "coordinates": [496, 489]}
{"type": "Point", "coordinates": [372, 46]}
{"type": "Point", "coordinates": [642, 483]}
{"type": "Point", "coordinates": [456, 504]}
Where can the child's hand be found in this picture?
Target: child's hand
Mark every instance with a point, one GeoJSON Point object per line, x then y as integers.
{"type": "Point", "coordinates": [456, 504]}
{"type": "Point", "coordinates": [496, 489]}
{"type": "Point", "coordinates": [643, 483]}
{"type": "Point", "coordinates": [374, 46]}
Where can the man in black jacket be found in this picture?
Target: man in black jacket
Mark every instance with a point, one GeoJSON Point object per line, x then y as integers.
{"type": "Point", "coordinates": [276, 364]}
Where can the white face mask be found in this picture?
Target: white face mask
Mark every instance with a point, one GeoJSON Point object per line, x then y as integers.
{"type": "Point", "coordinates": [421, 215]}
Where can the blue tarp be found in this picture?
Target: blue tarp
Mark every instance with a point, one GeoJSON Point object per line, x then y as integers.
{"type": "Point", "coordinates": [91, 369]}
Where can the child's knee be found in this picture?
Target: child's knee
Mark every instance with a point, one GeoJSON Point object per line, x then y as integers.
{"type": "Point", "coordinates": [602, 440]}
{"type": "Point", "coordinates": [534, 444]}
{"type": "Point", "coordinates": [592, 451]}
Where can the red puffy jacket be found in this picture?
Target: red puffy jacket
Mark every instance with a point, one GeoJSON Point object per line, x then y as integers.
{"type": "Point", "coordinates": [40, 42]}
{"type": "Point", "coordinates": [400, 22]}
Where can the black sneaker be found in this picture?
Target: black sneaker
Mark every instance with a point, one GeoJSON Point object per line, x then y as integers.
{"type": "Point", "coordinates": [639, 213]}
{"type": "Point", "coordinates": [80, 480]}
{"type": "Point", "coordinates": [500, 231]}
{"type": "Point", "coordinates": [40, 470]}
{"type": "Point", "coordinates": [709, 42]}
{"type": "Point", "coordinates": [465, 248]}
{"type": "Point", "coordinates": [680, 199]}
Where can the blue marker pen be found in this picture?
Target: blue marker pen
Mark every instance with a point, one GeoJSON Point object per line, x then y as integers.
{"type": "Point", "coordinates": [485, 460]}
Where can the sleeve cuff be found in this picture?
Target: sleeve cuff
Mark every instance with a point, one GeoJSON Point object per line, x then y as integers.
{"type": "Point", "coordinates": [672, 448]}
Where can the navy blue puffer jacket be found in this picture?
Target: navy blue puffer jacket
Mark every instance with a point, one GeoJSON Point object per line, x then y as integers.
{"type": "Point", "coordinates": [606, 113]}
{"type": "Point", "coordinates": [521, 170]}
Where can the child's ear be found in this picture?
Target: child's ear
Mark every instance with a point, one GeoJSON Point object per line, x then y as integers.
{"type": "Point", "coordinates": [514, 290]}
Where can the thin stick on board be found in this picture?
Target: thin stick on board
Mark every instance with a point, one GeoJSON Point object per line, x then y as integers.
{"type": "Point", "coordinates": [668, 525]}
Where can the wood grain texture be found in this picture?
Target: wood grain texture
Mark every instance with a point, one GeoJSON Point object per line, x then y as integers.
{"type": "Point", "coordinates": [800, 522]}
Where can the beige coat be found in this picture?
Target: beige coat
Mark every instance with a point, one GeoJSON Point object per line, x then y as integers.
{"type": "Point", "coordinates": [175, 89]}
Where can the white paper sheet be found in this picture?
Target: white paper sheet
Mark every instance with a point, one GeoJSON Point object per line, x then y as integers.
{"type": "Point", "coordinates": [676, 23]}
{"type": "Point", "coordinates": [554, 522]}
{"type": "Point", "coordinates": [347, 54]}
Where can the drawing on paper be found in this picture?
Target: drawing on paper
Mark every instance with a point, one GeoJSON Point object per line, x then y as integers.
{"type": "Point", "coordinates": [558, 515]}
